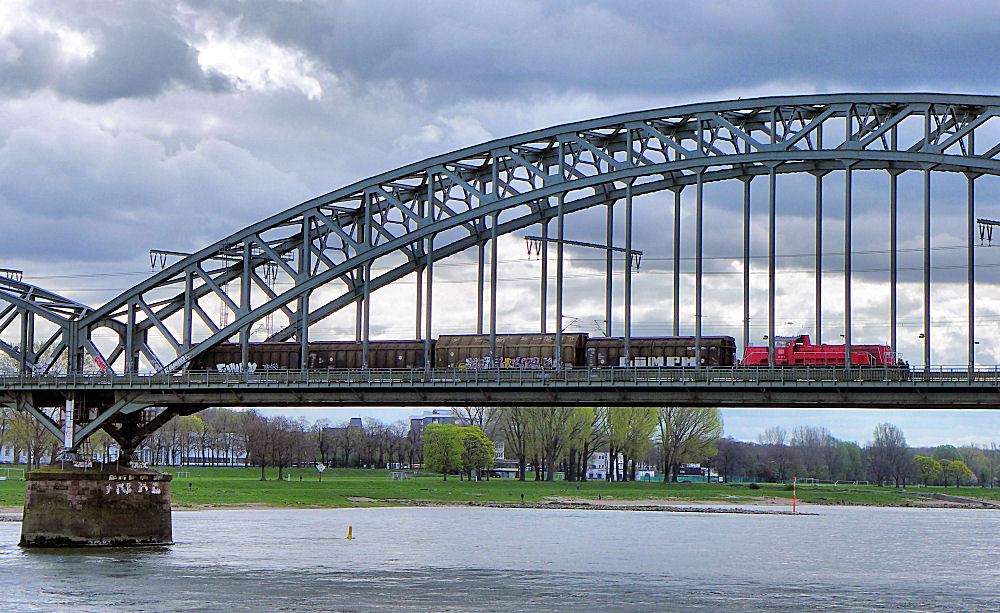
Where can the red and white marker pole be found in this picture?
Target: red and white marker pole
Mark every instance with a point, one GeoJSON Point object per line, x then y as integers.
{"type": "Point", "coordinates": [793, 494]}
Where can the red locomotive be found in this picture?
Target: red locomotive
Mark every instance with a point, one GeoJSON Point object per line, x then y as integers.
{"type": "Point", "coordinates": [799, 351]}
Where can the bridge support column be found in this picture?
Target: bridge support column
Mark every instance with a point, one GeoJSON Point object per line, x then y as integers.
{"type": "Point", "coordinates": [698, 263]}
{"type": "Point", "coordinates": [418, 331]}
{"type": "Point", "coordinates": [848, 190]}
{"type": "Point", "coordinates": [428, 323]}
{"type": "Point", "coordinates": [927, 270]}
{"type": "Point", "coordinates": [67, 506]}
{"type": "Point", "coordinates": [677, 261]}
{"type": "Point", "coordinates": [746, 261]}
{"type": "Point", "coordinates": [818, 246]}
{"type": "Point", "coordinates": [609, 227]}
{"type": "Point", "coordinates": [893, 245]}
{"type": "Point", "coordinates": [628, 273]}
{"type": "Point", "coordinates": [543, 290]}
{"type": "Point", "coordinates": [771, 213]}
{"type": "Point", "coordinates": [971, 222]}
{"type": "Point", "coordinates": [927, 247]}
{"type": "Point", "coordinates": [559, 281]}
{"type": "Point", "coordinates": [480, 282]}
{"type": "Point", "coordinates": [493, 286]}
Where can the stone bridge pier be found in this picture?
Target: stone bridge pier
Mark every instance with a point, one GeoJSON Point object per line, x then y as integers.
{"type": "Point", "coordinates": [87, 504]}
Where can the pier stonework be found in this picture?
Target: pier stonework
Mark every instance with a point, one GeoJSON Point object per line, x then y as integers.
{"type": "Point", "coordinates": [99, 505]}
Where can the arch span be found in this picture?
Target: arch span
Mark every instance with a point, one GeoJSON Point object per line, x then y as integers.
{"type": "Point", "coordinates": [423, 212]}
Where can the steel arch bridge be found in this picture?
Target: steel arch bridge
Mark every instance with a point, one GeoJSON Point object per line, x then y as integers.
{"type": "Point", "coordinates": [408, 219]}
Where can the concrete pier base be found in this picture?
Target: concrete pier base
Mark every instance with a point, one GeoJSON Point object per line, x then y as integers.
{"type": "Point", "coordinates": [66, 506]}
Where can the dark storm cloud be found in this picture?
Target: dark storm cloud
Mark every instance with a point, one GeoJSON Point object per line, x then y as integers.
{"type": "Point", "coordinates": [523, 48]}
{"type": "Point", "coordinates": [517, 49]}
{"type": "Point", "coordinates": [134, 60]}
{"type": "Point", "coordinates": [76, 193]}
{"type": "Point", "coordinates": [139, 50]}
{"type": "Point", "coordinates": [33, 66]}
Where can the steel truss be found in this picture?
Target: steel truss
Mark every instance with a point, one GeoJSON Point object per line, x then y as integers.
{"type": "Point", "coordinates": [23, 305]}
{"type": "Point", "coordinates": [408, 219]}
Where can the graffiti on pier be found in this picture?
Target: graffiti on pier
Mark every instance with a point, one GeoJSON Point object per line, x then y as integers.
{"type": "Point", "coordinates": [122, 485]}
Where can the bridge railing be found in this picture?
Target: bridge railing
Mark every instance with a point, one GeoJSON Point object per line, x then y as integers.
{"type": "Point", "coordinates": [787, 376]}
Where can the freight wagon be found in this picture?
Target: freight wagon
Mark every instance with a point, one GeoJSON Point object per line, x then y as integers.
{"type": "Point", "coordinates": [531, 351]}
{"type": "Point", "coordinates": [321, 355]}
{"type": "Point", "coordinates": [661, 351]}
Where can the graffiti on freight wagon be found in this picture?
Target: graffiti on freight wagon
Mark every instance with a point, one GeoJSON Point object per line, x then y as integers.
{"type": "Point", "coordinates": [670, 360]}
{"type": "Point", "coordinates": [233, 368]}
{"type": "Point", "coordinates": [488, 362]}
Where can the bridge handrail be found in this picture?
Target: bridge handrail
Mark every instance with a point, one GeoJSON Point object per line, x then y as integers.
{"type": "Point", "coordinates": [798, 375]}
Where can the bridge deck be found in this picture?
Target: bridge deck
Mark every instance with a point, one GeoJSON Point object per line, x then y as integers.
{"type": "Point", "coordinates": [723, 387]}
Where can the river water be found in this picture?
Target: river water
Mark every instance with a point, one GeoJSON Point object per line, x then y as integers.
{"type": "Point", "coordinates": [482, 559]}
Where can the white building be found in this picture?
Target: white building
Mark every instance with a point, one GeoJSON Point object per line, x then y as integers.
{"type": "Point", "coordinates": [7, 455]}
{"type": "Point", "coordinates": [418, 423]}
{"type": "Point", "coordinates": [598, 468]}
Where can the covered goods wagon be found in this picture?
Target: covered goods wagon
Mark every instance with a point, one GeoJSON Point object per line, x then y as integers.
{"type": "Point", "coordinates": [321, 355]}
{"type": "Point", "coordinates": [531, 351]}
{"type": "Point", "coordinates": [661, 351]}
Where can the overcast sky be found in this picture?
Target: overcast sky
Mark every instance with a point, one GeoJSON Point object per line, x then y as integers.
{"type": "Point", "coordinates": [132, 125]}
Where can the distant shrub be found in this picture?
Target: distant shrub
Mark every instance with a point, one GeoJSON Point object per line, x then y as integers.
{"type": "Point", "coordinates": [753, 485]}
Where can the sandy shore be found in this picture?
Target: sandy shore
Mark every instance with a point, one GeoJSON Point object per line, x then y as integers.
{"type": "Point", "coordinates": [764, 505]}
{"type": "Point", "coordinates": [764, 508]}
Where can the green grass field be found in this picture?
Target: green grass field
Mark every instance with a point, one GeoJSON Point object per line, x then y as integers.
{"type": "Point", "coordinates": [339, 488]}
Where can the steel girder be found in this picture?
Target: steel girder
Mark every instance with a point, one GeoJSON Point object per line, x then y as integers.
{"type": "Point", "coordinates": [21, 305]}
{"type": "Point", "coordinates": [441, 206]}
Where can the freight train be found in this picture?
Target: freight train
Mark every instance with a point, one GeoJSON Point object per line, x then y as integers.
{"type": "Point", "coordinates": [528, 351]}
{"type": "Point", "coordinates": [537, 351]}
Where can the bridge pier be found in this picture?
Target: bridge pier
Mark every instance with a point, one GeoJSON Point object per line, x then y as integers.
{"type": "Point", "coordinates": [78, 506]}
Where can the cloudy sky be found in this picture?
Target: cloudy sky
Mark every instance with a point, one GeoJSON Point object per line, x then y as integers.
{"type": "Point", "coordinates": [126, 126]}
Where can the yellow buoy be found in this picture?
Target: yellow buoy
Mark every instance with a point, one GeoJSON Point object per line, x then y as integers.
{"type": "Point", "coordinates": [350, 529]}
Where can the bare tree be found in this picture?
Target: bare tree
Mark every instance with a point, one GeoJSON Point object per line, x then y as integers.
{"type": "Point", "coordinates": [487, 418]}
{"type": "Point", "coordinates": [30, 436]}
{"type": "Point", "coordinates": [733, 458]}
{"type": "Point", "coordinates": [817, 450]}
{"type": "Point", "coordinates": [775, 435]}
{"type": "Point", "coordinates": [321, 438]}
{"type": "Point", "coordinates": [282, 434]}
{"type": "Point", "coordinates": [888, 455]}
{"type": "Point", "coordinates": [255, 430]}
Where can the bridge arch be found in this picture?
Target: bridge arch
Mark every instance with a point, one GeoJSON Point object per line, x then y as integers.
{"type": "Point", "coordinates": [444, 205]}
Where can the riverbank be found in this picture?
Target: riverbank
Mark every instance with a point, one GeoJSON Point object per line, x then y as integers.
{"type": "Point", "coordinates": [220, 488]}
{"type": "Point", "coordinates": [758, 506]}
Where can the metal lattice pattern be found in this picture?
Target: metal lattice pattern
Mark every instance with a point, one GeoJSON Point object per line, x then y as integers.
{"type": "Point", "coordinates": [39, 346]}
{"type": "Point", "coordinates": [427, 211]}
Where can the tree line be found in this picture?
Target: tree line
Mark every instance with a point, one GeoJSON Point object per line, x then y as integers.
{"type": "Point", "coordinates": [547, 440]}
{"type": "Point", "coordinates": [563, 439]}
{"type": "Point", "coordinates": [887, 459]}
{"type": "Point", "coordinates": [227, 437]}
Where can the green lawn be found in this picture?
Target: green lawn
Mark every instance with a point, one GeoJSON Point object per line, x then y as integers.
{"type": "Point", "coordinates": [236, 486]}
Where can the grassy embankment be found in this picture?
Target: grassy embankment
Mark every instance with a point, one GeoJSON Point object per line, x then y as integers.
{"type": "Point", "coordinates": [341, 488]}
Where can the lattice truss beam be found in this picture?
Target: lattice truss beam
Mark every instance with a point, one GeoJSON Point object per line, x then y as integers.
{"type": "Point", "coordinates": [34, 327]}
{"type": "Point", "coordinates": [407, 218]}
